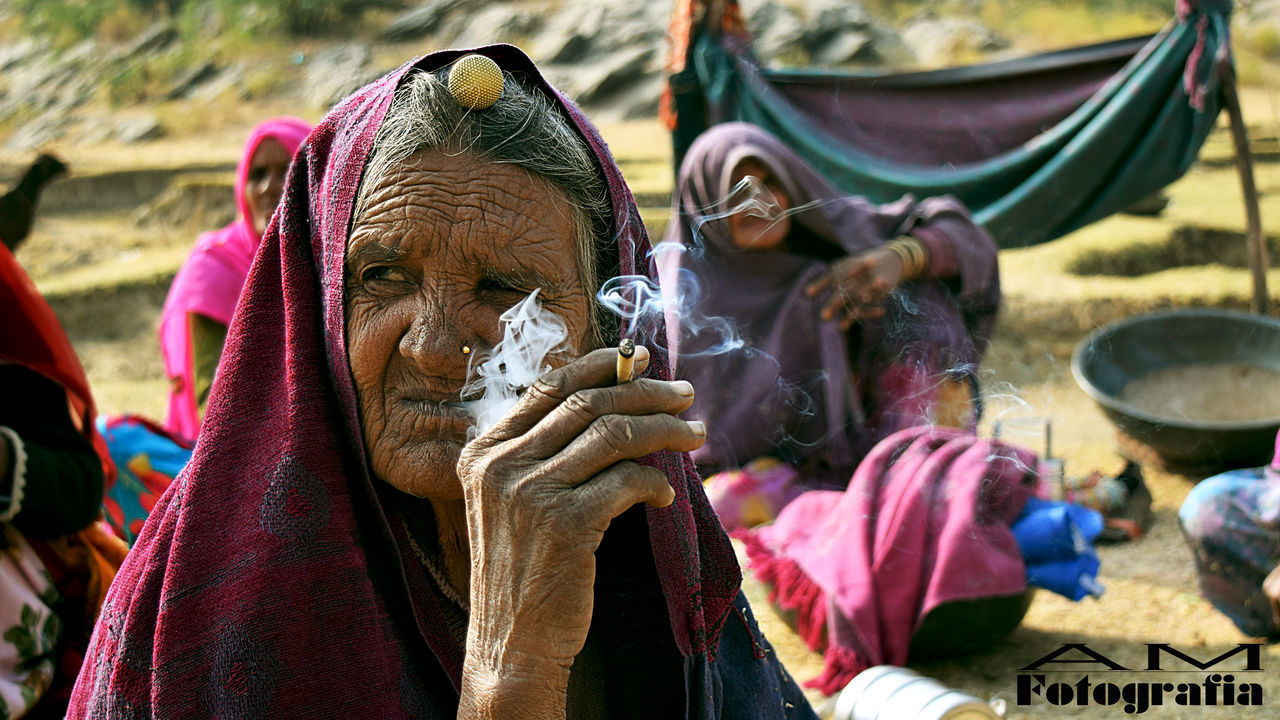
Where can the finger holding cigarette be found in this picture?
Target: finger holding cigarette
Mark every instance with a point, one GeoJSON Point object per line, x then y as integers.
{"type": "Point", "coordinates": [626, 360]}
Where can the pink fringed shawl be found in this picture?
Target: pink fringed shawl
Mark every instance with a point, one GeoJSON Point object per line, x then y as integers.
{"type": "Point", "coordinates": [925, 521]}
{"type": "Point", "coordinates": [209, 282]}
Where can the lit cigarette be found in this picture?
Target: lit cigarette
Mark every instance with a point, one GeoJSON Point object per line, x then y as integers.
{"type": "Point", "coordinates": [626, 360]}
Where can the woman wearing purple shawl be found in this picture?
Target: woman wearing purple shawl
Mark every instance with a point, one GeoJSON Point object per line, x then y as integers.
{"type": "Point", "coordinates": [852, 320]}
{"type": "Point", "coordinates": [374, 563]}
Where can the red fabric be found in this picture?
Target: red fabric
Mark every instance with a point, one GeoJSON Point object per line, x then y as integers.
{"type": "Point", "coordinates": [30, 335]}
{"type": "Point", "coordinates": [925, 521]}
{"type": "Point", "coordinates": [268, 582]}
{"type": "Point", "coordinates": [82, 564]}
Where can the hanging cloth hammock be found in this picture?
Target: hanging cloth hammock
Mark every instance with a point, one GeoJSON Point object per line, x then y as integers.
{"type": "Point", "coordinates": [1036, 147]}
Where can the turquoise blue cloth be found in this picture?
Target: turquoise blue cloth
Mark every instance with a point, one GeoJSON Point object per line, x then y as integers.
{"type": "Point", "coordinates": [147, 459]}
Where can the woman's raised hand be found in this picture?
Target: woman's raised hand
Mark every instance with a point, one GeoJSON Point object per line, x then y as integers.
{"type": "Point", "coordinates": [858, 285]}
{"type": "Point", "coordinates": [541, 486]}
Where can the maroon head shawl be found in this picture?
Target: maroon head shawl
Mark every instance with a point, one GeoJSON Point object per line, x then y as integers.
{"type": "Point", "coordinates": [267, 581]}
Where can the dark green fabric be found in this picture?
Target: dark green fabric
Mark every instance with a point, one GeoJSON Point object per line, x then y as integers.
{"type": "Point", "coordinates": [207, 338]}
{"type": "Point", "coordinates": [1136, 134]}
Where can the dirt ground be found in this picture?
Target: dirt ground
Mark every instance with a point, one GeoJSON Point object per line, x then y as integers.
{"type": "Point", "coordinates": [105, 264]}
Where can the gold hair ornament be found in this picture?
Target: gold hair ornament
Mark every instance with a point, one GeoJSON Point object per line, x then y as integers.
{"type": "Point", "coordinates": [475, 81]}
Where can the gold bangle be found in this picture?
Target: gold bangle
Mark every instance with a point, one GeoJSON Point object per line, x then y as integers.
{"type": "Point", "coordinates": [915, 259]}
{"type": "Point", "coordinates": [903, 254]}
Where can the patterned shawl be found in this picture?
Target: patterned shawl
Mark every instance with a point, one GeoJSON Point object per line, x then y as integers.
{"type": "Point", "coordinates": [210, 280]}
{"type": "Point", "coordinates": [267, 581]}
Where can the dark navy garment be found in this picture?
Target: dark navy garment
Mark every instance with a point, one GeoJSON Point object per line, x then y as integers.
{"type": "Point", "coordinates": [747, 670]}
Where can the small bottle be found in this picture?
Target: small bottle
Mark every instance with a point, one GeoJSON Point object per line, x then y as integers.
{"type": "Point", "coordinates": [1052, 479]}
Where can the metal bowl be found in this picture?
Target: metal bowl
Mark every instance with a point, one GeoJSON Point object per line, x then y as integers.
{"type": "Point", "coordinates": [1128, 349]}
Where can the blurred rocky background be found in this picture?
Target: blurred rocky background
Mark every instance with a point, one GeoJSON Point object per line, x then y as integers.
{"type": "Point", "coordinates": [131, 71]}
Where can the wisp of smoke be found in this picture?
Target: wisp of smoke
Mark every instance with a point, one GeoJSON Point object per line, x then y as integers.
{"type": "Point", "coordinates": [748, 197]}
{"type": "Point", "coordinates": [530, 335]}
{"type": "Point", "coordinates": [636, 298]}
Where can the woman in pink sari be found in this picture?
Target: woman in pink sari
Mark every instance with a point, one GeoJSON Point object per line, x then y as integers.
{"type": "Point", "coordinates": [203, 297]}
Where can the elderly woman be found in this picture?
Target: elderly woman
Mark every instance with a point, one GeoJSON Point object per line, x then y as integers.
{"type": "Point", "coordinates": [826, 323]}
{"type": "Point", "coordinates": [370, 561]}
{"type": "Point", "coordinates": [193, 325]}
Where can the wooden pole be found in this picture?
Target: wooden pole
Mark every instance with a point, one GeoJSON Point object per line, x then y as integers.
{"type": "Point", "coordinates": [1253, 217]}
{"type": "Point", "coordinates": [713, 23]}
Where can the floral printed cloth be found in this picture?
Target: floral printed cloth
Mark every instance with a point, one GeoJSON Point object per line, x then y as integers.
{"type": "Point", "coordinates": [29, 625]}
{"type": "Point", "coordinates": [1232, 523]}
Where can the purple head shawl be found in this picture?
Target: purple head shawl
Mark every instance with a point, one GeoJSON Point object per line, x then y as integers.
{"type": "Point", "coordinates": [267, 582]}
{"type": "Point", "coordinates": [789, 389]}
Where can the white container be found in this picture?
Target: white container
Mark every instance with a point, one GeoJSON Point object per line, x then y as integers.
{"type": "Point", "coordinates": [886, 692]}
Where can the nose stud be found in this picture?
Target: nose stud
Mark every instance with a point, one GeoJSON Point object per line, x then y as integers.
{"type": "Point", "coordinates": [466, 349]}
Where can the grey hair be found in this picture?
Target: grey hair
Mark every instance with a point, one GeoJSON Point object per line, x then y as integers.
{"type": "Point", "coordinates": [524, 129]}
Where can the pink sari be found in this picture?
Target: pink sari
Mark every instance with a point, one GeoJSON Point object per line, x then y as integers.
{"type": "Point", "coordinates": [209, 282]}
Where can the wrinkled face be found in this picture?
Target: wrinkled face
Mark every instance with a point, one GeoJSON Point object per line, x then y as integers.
{"type": "Point", "coordinates": [446, 244]}
{"type": "Point", "coordinates": [265, 182]}
{"type": "Point", "coordinates": [762, 222]}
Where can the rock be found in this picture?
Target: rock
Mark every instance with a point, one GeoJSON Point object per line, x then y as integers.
{"type": "Point", "coordinates": [154, 39]}
{"type": "Point", "coordinates": [228, 83]}
{"type": "Point", "coordinates": [779, 32]}
{"type": "Point", "coordinates": [334, 72]}
{"type": "Point", "coordinates": [847, 47]}
{"type": "Point", "coordinates": [840, 33]}
{"type": "Point", "coordinates": [634, 24]}
{"type": "Point", "coordinates": [185, 83]}
{"type": "Point", "coordinates": [40, 131]}
{"type": "Point", "coordinates": [418, 22]}
{"type": "Point", "coordinates": [641, 100]}
{"type": "Point", "coordinates": [138, 130]}
{"type": "Point", "coordinates": [837, 16]}
{"type": "Point", "coordinates": [612, 75]}
{"type": "Point", "coordinates": [96, 130]}
{"type": "Point", "coordinates": [572, 34]}
{"type": "Point", "coordinates": [940, 41]}
{"type": "Point", "coordinates": [496, 23]}
{"type": "Point", "coordinates": [13, 55]}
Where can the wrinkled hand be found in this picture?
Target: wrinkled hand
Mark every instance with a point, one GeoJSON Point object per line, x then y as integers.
{"type": "Point", "coordinates": [1271, 588]}
{"type": "Point", "coordinates": [541, 486]}
{"type": "Point", "coordinates": [858, 285]}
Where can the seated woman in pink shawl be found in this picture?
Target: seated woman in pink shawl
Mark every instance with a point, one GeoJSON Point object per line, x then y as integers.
{"type": "Point", "coordinates": [203, 296]}
{"type": "Point", "coordinates": [814, 322]}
